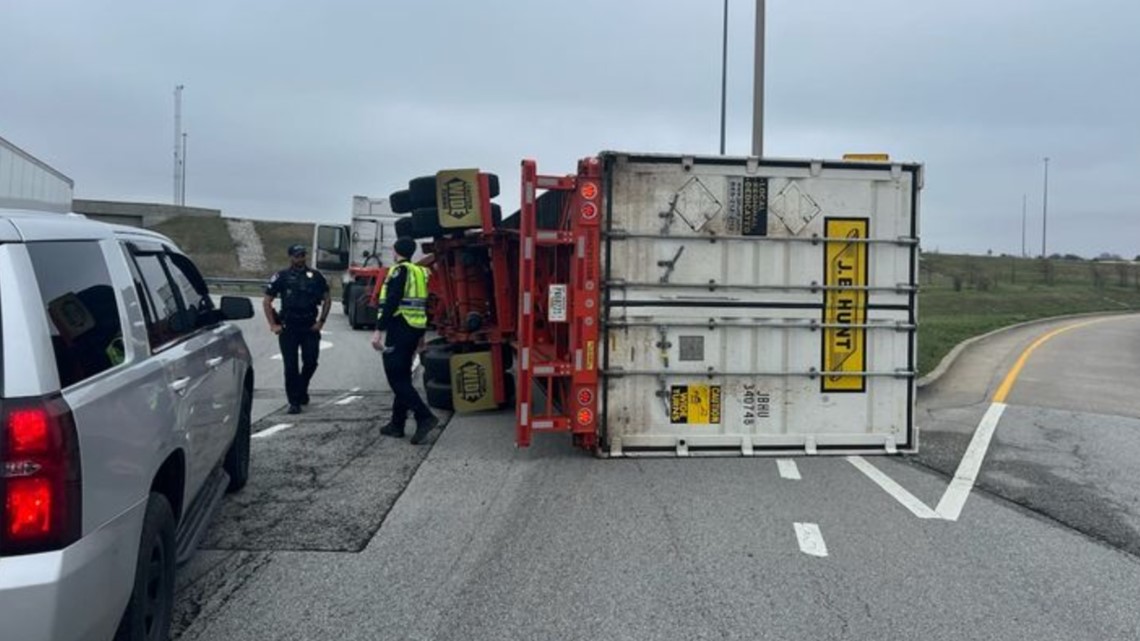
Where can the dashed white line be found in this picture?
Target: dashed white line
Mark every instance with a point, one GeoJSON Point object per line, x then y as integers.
{"type": "Point", "coordinates": [811, 539]}
{"type": "Point", "coordinates": [908, 500]}
{"type": "Point", "coordinates": [950, 507]}
{"type": "Point", "coordinates": [349, 399]}
{"type": "Point", "coordinates": [788, 469]}
{"type": "Point", "coordinates": [270, 431]}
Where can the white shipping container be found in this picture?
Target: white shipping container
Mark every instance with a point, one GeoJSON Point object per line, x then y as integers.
{"type": "Point", "coordinates": [759, 307]}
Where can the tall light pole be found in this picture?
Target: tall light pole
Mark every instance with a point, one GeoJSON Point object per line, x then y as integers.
{"type": "Point", "coordinates": [177, 142]}
{"type": "Point", "coordinates": [1045, 209]}
{"type": "Point", "coordinates": [723, 76]}
{"type": "Point", "coordinates": [182, 191]}
{"type": "Point", "coordinates": [1024, 200]}
{"type": "Point", "coordinates": [758, 85]}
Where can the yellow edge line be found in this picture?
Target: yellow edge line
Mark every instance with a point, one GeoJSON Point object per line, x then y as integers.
{"type": "Point", "coordinates": [1011, 377]}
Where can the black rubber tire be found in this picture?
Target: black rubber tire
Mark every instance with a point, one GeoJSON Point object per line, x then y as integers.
{"type": "Point", "coordinates": [425, 223]}
{"type": "Point", "coordinates": [509, 384]}
{"type": "Point", "coordinates": [154, 577]}
{"type": "Point", "coordinates": [493, 183]}
{"type": "Point", "coordinates": [401, 201]}
{"type": "Point", "coordinates": [422, 192]}
{"type": "Point", "coordinates": [406, 227]}
{"type": "Point", "coordinates": [237, 458]}
{"type": "Point", "coordinates": [354, 291]}
{"type": "Point", "coordinates": [438, 395]}
{"type": "Point", "coordinates": [437, 364]}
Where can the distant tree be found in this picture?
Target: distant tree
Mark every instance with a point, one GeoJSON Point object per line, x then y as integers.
{"type": "Point", "coordinates": [1137, 259]}
{"type": "Point", "coordinates": [1108, 256]}
{"type": "Point", "coordinates": [1073, 257]}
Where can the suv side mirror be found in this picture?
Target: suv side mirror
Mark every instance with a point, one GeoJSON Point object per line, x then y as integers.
{"type": "Point", "coordinates": [236, 308]}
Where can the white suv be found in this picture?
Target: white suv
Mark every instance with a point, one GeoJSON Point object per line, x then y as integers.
{"type": "Point", "coordinates": [125, 399]}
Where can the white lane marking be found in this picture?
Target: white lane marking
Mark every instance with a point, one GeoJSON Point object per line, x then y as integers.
{"type": "Point", "coordinates": [788, 469]}
{"type": "Point", "coordinates": [272, 430]}
{"type": "Point", "coordinates": [324, 345]}
{"type": "Point", "coordinates": [900, 494]}
{"type": "Point", "coordinates": [811, 539]}
{"type": "Point", "coordinates": [950, 507]}
{"type": "Point", "coordinates": [349, 399]}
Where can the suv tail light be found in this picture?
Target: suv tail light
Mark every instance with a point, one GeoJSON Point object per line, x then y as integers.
{"type": "Point", "coordinates": [40, 484]}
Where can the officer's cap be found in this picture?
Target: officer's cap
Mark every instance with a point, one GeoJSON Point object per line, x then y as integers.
{"type": "Point", "coordinates": [296, 250]}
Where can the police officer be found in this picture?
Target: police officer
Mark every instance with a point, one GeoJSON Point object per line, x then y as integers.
{"type": "Point", "coordinates": [400, 326]}
{"type": "Point", "coordinates": [302, 289]}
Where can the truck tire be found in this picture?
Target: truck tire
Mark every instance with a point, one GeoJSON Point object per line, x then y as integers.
{"type": "Point", "coordinates": [149, 609]}
{"type": "Point", "coordinates": [422, 192]}
{"type": "Point", "coordinates": [406, 227]}
{"type": "Point", "coordinates": [493, 183]}
{"type": "Point", "coordinates": [437, 364]}
{"type": "Point", "coordinates": [438, 395]}
{"type": "Point", "coordinates": [401, 201]}
{"type": "Point", "coordinates": [354, 291]}
{"type": "Point", "coordinates": [425, 223]}
{"type": "Point", "coordinates": [237, 458]}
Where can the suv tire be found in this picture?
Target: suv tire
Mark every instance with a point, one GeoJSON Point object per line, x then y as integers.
{"type": "Point", "coordinates": [150, 608]}
{"type": "Point", "coordinates": [237, 458]}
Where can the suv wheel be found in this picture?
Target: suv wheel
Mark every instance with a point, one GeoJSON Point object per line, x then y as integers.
{"type": "Point", "coordinates": [152, 600]}
{"type": "Point", "coordinates": [237, 458]}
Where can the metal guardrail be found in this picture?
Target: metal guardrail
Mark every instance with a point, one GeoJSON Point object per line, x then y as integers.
{"type": "Point", "coordinates": [224, 282]}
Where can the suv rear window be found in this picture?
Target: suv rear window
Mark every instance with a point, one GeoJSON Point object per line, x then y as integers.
{"type": "Point", "coordinates": [83, 314]}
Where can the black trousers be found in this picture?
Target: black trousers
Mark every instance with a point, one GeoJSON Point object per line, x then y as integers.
{"type": "Point", "coordinates": [309, 343]}
{"type": "Point", "coordinates": [400, 343]}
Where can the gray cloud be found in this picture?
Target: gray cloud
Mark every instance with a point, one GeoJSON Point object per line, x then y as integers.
{"type": "Point", "coordinates": [293, 107]}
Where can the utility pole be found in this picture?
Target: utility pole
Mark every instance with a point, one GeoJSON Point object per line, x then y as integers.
{"type": "Point", "coordinates": [177, 142]}
{"type": "Point", "coordinates": [1045, 210]}
{"type": "Point", "coordinates": [758, 85]}
{"type": "Point", "coordinates": [1024, 200]}
{"type": "Point", "coordinates": [182, 192]}
{"type": "Point", "coordinates": [723, 76]}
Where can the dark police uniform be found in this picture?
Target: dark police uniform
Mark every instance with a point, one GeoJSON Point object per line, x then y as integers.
{"type": "Point", "coordinates": [301, 290]}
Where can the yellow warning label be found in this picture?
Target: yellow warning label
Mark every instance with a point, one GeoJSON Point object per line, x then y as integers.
{"type": "Point", "coordinates": [472, 385]}
{"type": "Point", "coordinates": [695, 404]}
{"type": "Point", "coordinates": [845, 348]}
{"type": "Point", "coordinates": [590, 355]}
{"type": "Point", "coordinates": [459, 198]}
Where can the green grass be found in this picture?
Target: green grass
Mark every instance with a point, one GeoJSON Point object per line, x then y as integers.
{"type": "Point", "coordinates": [206, 240]}
{"type": "Point", "coordinates": [965, 296]}
{"type": "Point", "coordinates": [277, 237]}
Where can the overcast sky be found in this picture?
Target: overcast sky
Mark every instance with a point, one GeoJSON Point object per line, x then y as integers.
{"type": "Point", "coordinates": [293, 107]}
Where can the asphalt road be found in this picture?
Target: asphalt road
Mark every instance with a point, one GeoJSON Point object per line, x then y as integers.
{"type": "Point", "coordinates": [344, 534]}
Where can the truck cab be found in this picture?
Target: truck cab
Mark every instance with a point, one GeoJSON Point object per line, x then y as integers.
{"type": "Point", "coordinates": [359, 250]}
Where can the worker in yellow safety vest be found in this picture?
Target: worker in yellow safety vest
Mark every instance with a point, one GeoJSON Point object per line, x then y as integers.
{"type": "Point", "coordinates": [400, 326]}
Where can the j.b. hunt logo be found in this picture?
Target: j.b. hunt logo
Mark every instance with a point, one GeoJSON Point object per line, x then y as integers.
{"type": "Point", "coordinates": [845, 305]}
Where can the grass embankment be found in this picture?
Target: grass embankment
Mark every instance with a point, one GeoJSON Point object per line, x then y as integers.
{"type": "Point", "coordinates": [206, 240]}
{"type": "Point", "coordinates": [965, 296]}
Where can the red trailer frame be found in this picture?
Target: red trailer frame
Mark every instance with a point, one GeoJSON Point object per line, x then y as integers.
{"type": "Point", "coordinates": [559, 307]}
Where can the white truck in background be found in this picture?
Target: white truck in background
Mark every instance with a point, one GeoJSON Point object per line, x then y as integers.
{"type": "Point", "coordinates": [361, 250]}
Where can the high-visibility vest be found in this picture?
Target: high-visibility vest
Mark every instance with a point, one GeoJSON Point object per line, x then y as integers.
{"type": "Point", "coordinates": [413, 307]}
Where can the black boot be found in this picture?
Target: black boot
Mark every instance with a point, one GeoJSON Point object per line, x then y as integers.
{"type": "Point", "coordinates": [424, 428]}
{"type": "Point", "coordinates": [391, 429]}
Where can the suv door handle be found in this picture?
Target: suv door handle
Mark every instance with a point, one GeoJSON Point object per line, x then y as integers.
{"type": "Point", "coordinates": [214, 362]}
{"type": "Point", "coordinates": [180, 385]}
